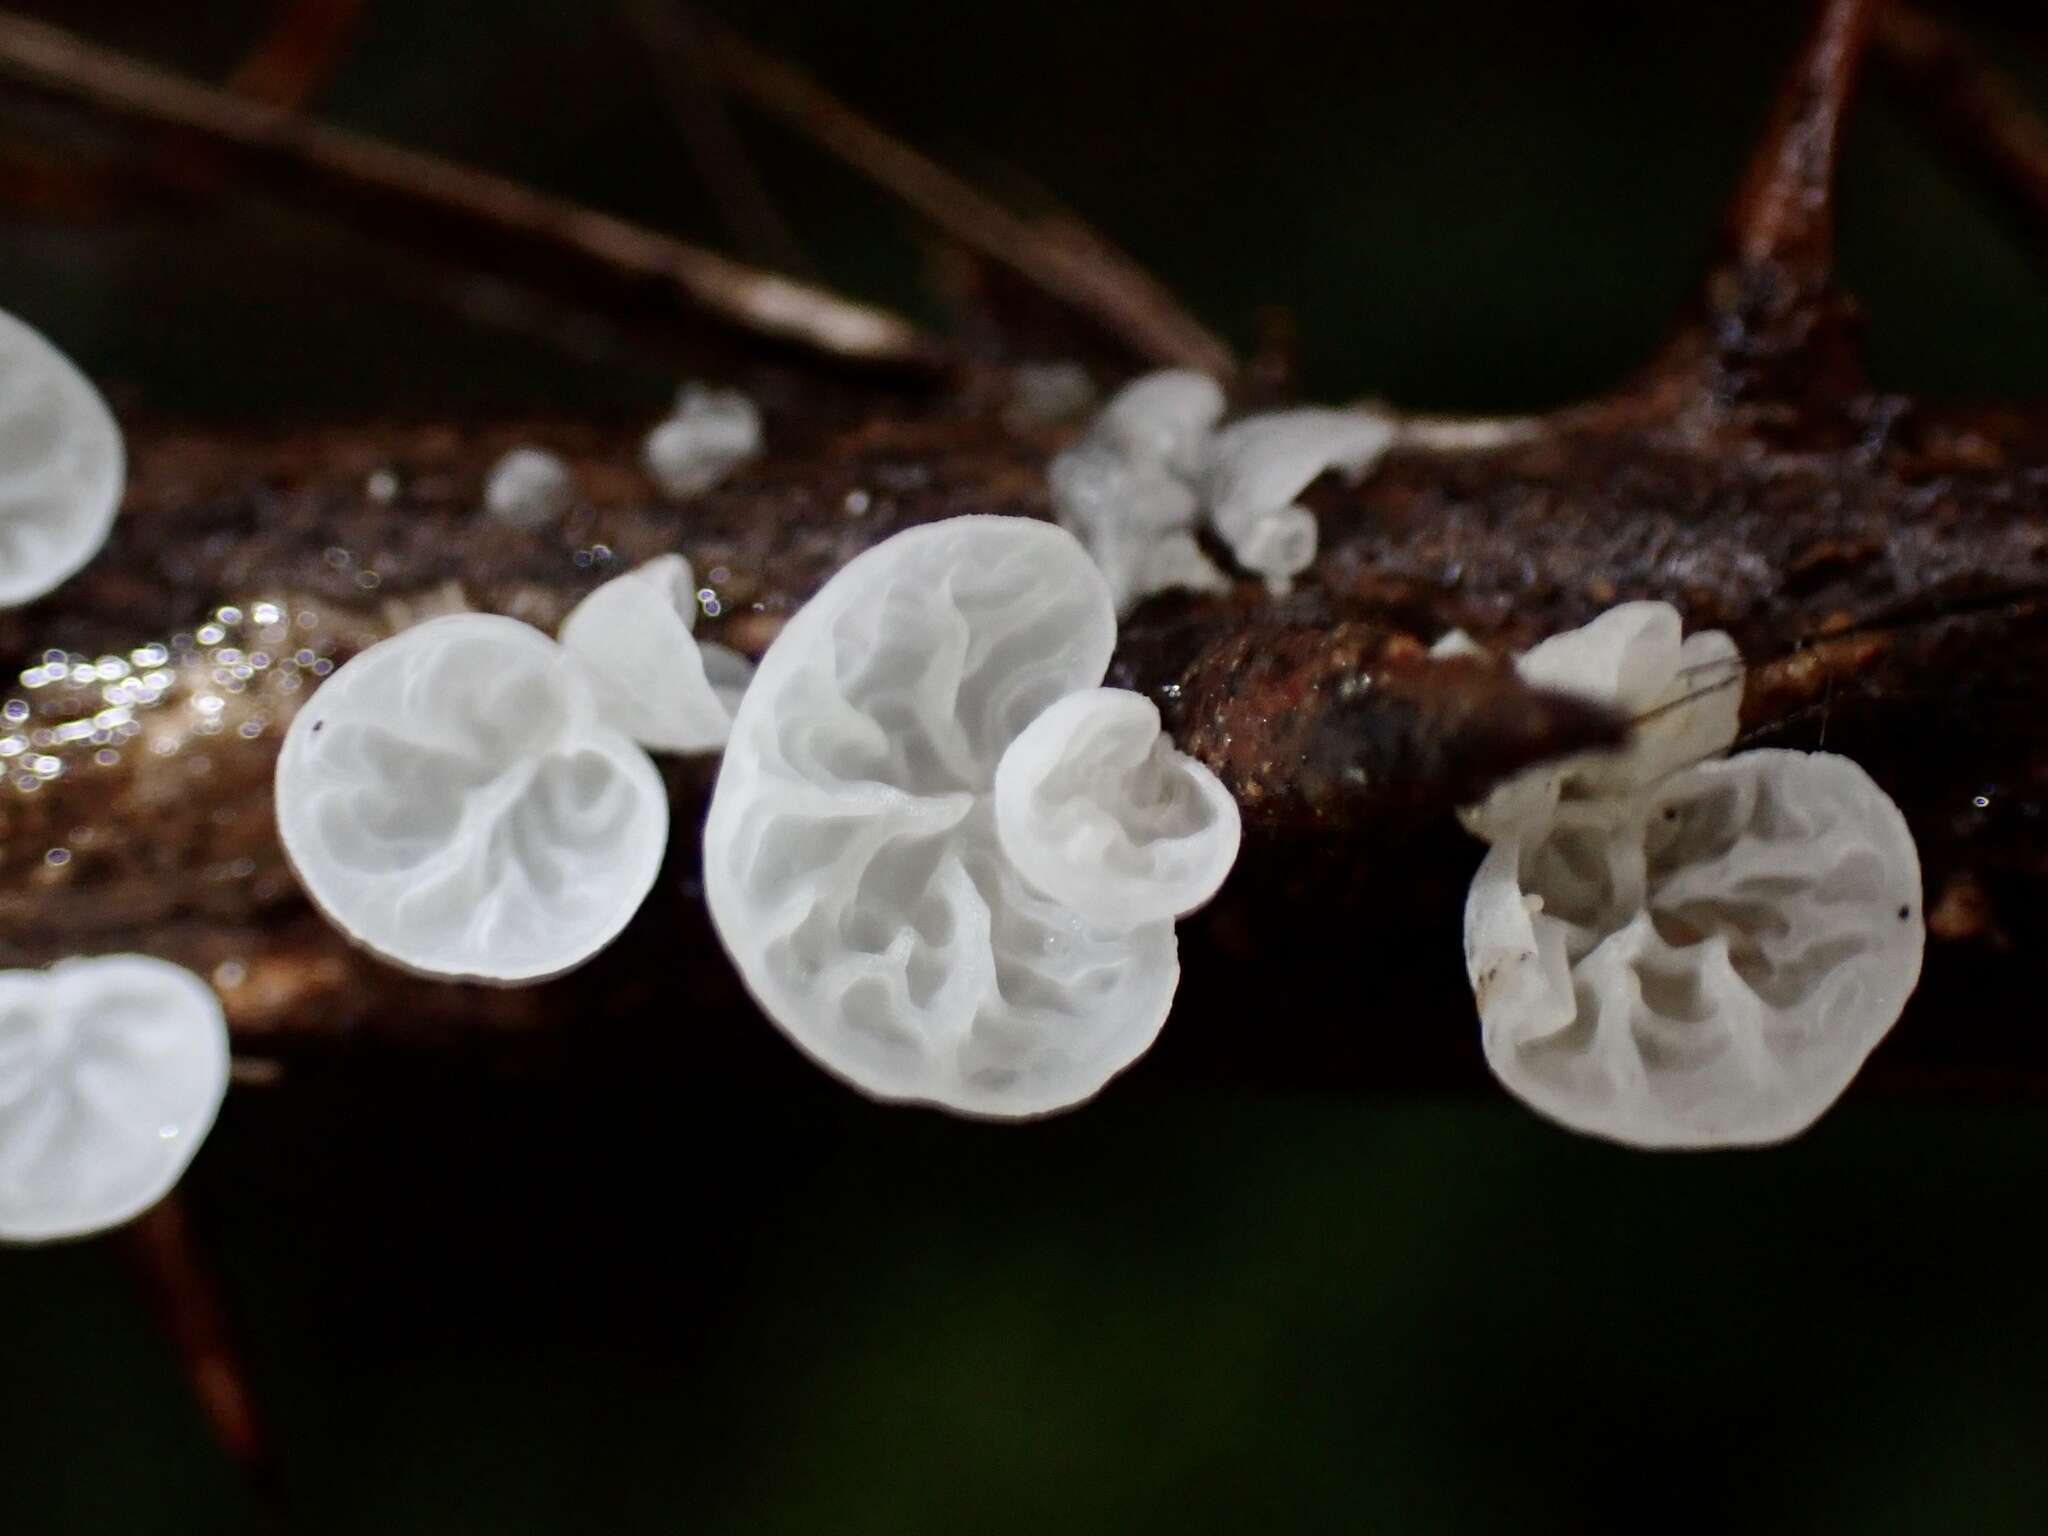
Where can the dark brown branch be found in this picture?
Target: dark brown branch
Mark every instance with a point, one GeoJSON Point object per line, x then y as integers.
{"type": "Point", "coordinates": [1091, 276]}
{"type": "Point", "coordinates": [672, 34]}
{"type": "Point", "coordinates": [322, 160]}
{"type": "Point", "coordinates": [1973, 107]}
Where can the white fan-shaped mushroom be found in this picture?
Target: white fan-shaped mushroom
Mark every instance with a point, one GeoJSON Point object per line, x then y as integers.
{"type": "Point", "coordinates": [851, 858]}
{"type": "Point", "coordinates": [1684, 698]}
{"type": "Point", "coordinates": [1279, 546]}
{"type": "Point", "coordinates": [712, 432]}
{"type": "Point", "coordinates": [1097, 808]}
{"type": "Point", "coordinates": [529, 488]}
{"type": "Point", "coordinates": [653, 680]}
{"type": "Point", "coordinates": [111, 1072]}
{"type": "Point", "coordinates": [61, 466]}
{"type": "Point", "coordinates": [451, 799]}
{"type": "Point", "coordinates": [1705, 964]}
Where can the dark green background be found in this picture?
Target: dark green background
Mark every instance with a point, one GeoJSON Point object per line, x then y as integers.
{"type": "Point", "coordinates": [604, 1296]}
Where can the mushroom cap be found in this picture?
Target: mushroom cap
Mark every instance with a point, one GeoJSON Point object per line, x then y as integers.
{"type": "Point", "coordinates": [111, 1072]}
{"type": "Point", "coordinates": [1707, 964]}
{"type": "Point", "coordinates": [1162, 419]}
{"type": "Point", "coordinates": [1259, 465]}
{"type": "Point", "coordinates": [652, 679]}
{"type": "Point", "coordinates": [62, 466]}
{"type": "Point", "coordinates": [1684, 697]}
{"type": "Point", "coordinates": [851, 857]}
{"type": "Point", "coordinates": [1097, 808]}
{"type": "Point", "coordinates": [451, 799]}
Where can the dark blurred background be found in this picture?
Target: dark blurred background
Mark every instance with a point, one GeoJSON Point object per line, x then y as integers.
{"type": "Point", "coordinates": [494, 1296]}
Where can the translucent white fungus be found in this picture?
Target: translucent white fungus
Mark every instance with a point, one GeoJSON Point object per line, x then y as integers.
{"type": "Point", "coordinates": [452, 799]}
{"type": "Point", "coordinates": [851, 857]}
{"type": "Point", "coordinates": [529, 488]}
{"type": "Point", "coordinates": [111, 1072]}
{"type": "Point", "coordinates": [1279, 546]}
{"type": "Point", "coordinates": [1096, 807]}
{"type": "Point", "coordinates": [1455, 643]}
{"type": "Point", "coordinates": [1256, 467]}
{"type": "Point", "coordinates": [1163, 418]}
{"type": "Point", "coordinates": [712, 432]}
{"type": "Point", "coordinates": [1128, 487]}
{"type": "Point", "coordinates": [1707, 963]}
{"type": "Point", "coordinates": [654, 681]}
{"type": "Point", "coordinates": [1683, 697]}
{"type": "Point", "coordinates": [61, 466]}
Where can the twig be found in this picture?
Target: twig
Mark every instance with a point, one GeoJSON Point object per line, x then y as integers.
{"type": "Point", "coordinates": [1784, 214]}
{"type": "Point", "coordinates": [1973, 106]}
{"type": "Point", "coordinates": [185, 1296]}
{"type": "Point", "coordinates": [1081, 270]}
{"type": "Point", "coordinates": [673, 37]}
{"type": "Point", "coordinates": [61, 64]}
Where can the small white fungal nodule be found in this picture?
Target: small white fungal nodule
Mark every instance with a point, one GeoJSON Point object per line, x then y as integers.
{"type": "Point", "coordinates": [654, 680]}
{"type": "Point", "coordinates": [712, 432]}
{"type": "Point", "coordinates": [1097, 807]}
{"type": "Point", "coordinates": [453, 800]}
{"type": "Point", "coordinates": [1669, 950]}
{"type": "Point", "coordinates": [62, 466]}
{"type": "Point", "coordinates": [529, 488]}
{"type": "Point", "coordinates": [852, 858]}
{"type": "Point", "coordinates": [111, 1072]}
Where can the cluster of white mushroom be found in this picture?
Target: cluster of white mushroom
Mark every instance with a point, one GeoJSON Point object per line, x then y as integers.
{"type": "Point", "coordinates": [111, 1068]}
{"type": "Point", "coordinates": [1673, 949]}
{"type": "Point", "coordinates": [1153, 465]}
{"type": "Point", "coordinates": [471, 799]}
{"type": "Point", "coordinates": [945, 859]}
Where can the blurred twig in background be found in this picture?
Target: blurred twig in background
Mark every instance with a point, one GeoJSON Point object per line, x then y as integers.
{"type": "Point", "coordinates": [422, 187]}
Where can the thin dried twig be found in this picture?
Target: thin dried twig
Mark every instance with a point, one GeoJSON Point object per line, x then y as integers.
{"type": "Point", "coordinates": [60, 64]}
{"type": "Point", "coordinates": [1973, 106]}
{"type": "Point", "coordinates": [1085, 272]}
{"type": "Point", "coordinates": [186, 1297]}
{"type": "Point", "coordinates": [673, 38]}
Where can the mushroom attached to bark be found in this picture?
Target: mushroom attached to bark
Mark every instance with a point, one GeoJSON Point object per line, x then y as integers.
{"type": "Point", "coordinates": [61, 466]}
{"type": "Point", "coordinates": [654, 679]}
{"type": "Point", "coordinates": [853, 860]}
{"type": "Point", "coordinates": [1256, 467]}
{"type": "Point", "coordinates": [1704, 964]}
{"type": "Point", "coordinates": [1684, 697]}
{"type": "Point", "coordinates": [454, 801]}
{"type": "Point", "coordinates": [111, 1072]}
